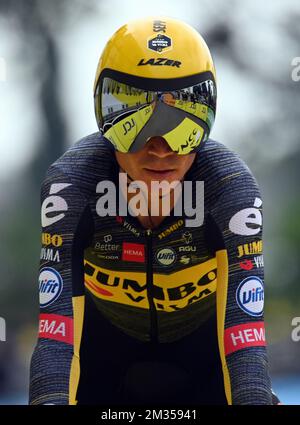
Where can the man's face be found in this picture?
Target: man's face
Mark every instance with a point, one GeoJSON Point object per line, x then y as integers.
{"type": "Point", "coordinates": [155, 162]}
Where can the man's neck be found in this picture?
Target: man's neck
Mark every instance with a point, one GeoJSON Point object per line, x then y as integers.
{"type": "Point", "coordinates": [152, 203]}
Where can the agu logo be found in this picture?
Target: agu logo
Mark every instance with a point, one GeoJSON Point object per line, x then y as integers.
{"type": "Point", "coordinates": [250, 296]}
{"type": "Point", "coordinates": [50, 286]}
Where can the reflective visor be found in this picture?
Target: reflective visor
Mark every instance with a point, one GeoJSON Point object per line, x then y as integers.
{"type": "Point", "coordinates": [129, 116]}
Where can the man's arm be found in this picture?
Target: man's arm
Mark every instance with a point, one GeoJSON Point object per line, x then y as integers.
{"type": "Point", "coordinates": [237, 217]}
{"type": "Point", "coordinates": [54, 372]}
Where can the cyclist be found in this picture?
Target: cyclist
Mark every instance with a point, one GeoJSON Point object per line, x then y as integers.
{"type": "Point", "coordinates": [140, 304]}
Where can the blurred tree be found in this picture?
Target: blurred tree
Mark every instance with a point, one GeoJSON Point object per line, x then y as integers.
{"type": "Point", "coordinates": [37, 23]}
{"type": "Point", "coordinates": [259, 47]}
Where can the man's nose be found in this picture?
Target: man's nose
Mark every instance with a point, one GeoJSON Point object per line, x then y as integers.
{"type": "Point", "coordinates": [159, 147]}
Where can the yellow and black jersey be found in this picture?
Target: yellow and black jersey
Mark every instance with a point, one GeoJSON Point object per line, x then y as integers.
{"type": "Point", "coordinates": [111, 290]}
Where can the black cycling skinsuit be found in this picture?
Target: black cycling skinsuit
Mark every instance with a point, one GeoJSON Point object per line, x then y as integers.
{"type": "Point", "coordinates": [130, 315]}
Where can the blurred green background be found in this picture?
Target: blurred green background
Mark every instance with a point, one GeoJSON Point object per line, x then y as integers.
{"type": "Point", "coordinates": [48, 56]}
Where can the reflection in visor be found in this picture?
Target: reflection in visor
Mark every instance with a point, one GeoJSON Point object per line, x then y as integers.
{"type": "Point", "coordinates": [124, 111]}
{"type": "Point", "coordinates": [185, 137]}
{"type": "Point", "coordinates": [124, 130]}
{"type": "Point", "coordinates": [182, 139]}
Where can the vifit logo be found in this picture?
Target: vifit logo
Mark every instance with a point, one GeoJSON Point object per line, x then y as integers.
{"type": "Point", "coordinates": [2, 330]}
{"type": "Point", "coordinates": [50, 286]}
{"type": "Point", "coordinates": [250, 296]}
{"type": "Point", "coordinates": [166, 256]}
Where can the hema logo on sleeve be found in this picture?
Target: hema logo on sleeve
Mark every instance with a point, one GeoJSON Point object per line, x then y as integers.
{"type": "Point", "coordinates": [250, 296]}
{"type": "Point", "coordinates": [50, 286]}
{"type": "Point", "coordinates": [243, 336]}
{"type": "Point", "coordinates": [57, 327]}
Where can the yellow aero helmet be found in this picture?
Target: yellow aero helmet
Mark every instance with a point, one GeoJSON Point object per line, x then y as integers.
{"type": "Point", "coordinates": [155, 77]}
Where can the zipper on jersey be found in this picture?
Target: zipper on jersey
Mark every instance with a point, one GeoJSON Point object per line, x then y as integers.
{"type": "Point", "coordinates": [150, 289]}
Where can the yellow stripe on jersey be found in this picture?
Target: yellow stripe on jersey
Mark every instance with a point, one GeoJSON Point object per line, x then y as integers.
{"type": "Point", "coordinates": [222, 276]}
{"type": "Point", "coordinates": [78, 314]}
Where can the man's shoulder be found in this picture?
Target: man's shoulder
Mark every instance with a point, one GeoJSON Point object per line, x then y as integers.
{"type": "Point", "coordinates": [87, 150]}
{"type": "Point", "coordinates": [85, 163]}
{"type": "Point", "coordinates": [216, 158]}
{"type": "Point", "coordinates": [215, 163]}
{"type": "Point", "coordinates": [221, 168]}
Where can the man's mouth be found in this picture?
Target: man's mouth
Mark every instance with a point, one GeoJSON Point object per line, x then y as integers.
{"type": "Point", "coordinates": [160, 172]}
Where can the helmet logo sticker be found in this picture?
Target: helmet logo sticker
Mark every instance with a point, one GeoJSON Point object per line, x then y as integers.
{"type": "Point", "coordinates": [159, 43]}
